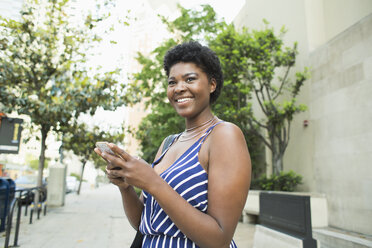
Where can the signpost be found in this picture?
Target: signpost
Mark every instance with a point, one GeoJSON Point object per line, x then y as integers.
{"type": "Point", "coordinates": [10, 134]}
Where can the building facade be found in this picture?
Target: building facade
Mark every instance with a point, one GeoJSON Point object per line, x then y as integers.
{"type": "Point", "coordinates": [334, 152]}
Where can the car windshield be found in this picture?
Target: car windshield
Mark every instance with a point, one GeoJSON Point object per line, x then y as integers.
{"type": "Point", "coordinates": [29, 179]}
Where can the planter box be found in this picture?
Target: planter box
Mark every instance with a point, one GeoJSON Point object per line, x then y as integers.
{"type": "Point", "coordinates": [318, 205]}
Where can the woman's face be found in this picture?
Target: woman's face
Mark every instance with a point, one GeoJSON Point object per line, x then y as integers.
{"type": "Point", "coordinates": [189, 89]}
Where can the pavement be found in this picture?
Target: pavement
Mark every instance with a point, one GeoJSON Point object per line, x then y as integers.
{"type": "Point", "coordinates": [93, 219]}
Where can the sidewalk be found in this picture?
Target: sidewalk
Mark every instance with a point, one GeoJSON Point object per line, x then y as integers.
{"type": "Point", "coordinates": [94, 219]}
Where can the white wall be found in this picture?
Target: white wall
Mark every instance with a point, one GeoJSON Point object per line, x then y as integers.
{"type": "Point", "coordinates": [341, 113]}
{"type": "Point", "coordinates": [334, 152]}
{"type": "Point", "coordinates": [327, 18]}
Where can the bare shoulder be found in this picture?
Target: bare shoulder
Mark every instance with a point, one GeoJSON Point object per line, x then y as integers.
{"type": "Point", "coordinates": [227, 132]}
{"type": "Point", "coordinates": [228, 143]}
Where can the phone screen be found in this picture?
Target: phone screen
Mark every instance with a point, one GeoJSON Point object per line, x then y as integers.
{"type": "Point", "coordinates": [103, 147]}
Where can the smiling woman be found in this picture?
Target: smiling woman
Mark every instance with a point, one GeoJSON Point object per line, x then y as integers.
{"type": "Point", "coordinates": [195, 190]}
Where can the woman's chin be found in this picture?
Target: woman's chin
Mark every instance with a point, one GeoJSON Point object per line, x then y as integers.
{"type": "Point", "coordinates": [184, 113]}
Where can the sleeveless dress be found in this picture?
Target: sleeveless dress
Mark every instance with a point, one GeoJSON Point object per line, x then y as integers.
{"type": "Point", "coordinates": [189, 179]}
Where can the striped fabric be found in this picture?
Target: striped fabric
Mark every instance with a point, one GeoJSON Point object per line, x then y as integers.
{"type": "Point", "coordinates": [190, 180]}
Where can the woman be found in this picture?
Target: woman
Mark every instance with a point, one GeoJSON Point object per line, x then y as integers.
{"type": "Point", "coordinates": [194, 193]}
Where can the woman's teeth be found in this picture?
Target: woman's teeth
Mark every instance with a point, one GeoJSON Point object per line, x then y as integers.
{"type": "Point", "coordinates": [183, 100]}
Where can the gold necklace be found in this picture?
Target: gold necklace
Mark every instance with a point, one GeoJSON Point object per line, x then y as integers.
{"type": "Point", "coordinates": [205, 123]}
{"type": "Point", "coordinates": [197, 132]}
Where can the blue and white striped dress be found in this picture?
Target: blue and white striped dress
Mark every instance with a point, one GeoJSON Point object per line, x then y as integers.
{"type": "Point", "coordinates": [190, 180]}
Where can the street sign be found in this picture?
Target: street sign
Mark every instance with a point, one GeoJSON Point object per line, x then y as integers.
{"type": "Point", "coordinates": [10, 134]}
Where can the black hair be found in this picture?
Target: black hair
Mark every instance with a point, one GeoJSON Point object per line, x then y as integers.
{"type": "Point", "coordinates": [202, 56]}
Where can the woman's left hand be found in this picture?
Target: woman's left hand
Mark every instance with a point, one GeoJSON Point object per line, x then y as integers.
{"type": "Point", "coordinates": [134, 170]}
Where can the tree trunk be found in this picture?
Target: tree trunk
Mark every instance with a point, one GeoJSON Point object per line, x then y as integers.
{"type": "Point", "coordinates": [81, 176]}
{"type": "Point", "coordinates": [277, 157]}
{"type": "Point", "coordinates": [44, 134]}
{"type": "Point", "coordinates": [277, 161]}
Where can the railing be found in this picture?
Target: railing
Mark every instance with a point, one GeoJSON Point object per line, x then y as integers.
{"type": "Point", "coordinates": [25, 197]}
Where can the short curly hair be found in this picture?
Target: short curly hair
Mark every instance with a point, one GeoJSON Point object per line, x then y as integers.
{"type": "Point", "coordinates": [202, 56]}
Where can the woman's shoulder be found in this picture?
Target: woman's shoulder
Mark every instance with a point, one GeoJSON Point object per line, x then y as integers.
{"type": "Point", "coordinates": [227, 131]}
{"type": "Point", "coordinates": [225, 127]}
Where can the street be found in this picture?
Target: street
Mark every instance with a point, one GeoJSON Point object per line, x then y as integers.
{"type": "Point", "coordinates": [94, 219]}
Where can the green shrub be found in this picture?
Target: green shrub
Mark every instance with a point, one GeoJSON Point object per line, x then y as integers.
{"type": "Point", "coordinates": [286, 181]}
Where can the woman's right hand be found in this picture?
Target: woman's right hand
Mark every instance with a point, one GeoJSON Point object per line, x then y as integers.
{"type": "Point", "coordinates": [118, 181]}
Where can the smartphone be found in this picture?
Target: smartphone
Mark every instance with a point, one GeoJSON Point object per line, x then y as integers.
{"type": "Point", "coordinates": [103, 147]}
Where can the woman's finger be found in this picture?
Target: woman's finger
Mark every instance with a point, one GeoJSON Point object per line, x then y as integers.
{"type": "Point", "coordinates": [114, 178]}
{"type": "Point", "coordinates": [119, 182]}
{"type": "Point", "coordinates": [120, 152]}
{"type": "Point", "coordinates": [114, 173]}
{"type": "Point", "coordinates": [113, 160]}
{"type": "Point", "coordinates": [98, 151]}
{"type": "Point", "coordinates": [111, 166]}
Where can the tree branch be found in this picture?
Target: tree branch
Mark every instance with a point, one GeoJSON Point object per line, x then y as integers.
{"type": "Point", "coordinates": [288, 134]}
{"type": "Point", "coordinates": [270, 100]}
{"type": "Point", "coordinates": [282, 84]}
{"type": "Point", "coordinates": [260, 124]}
{"type": "Point", "coordinates": [259, 101]}
{"type": "Point", "coordinates": [258, 134]}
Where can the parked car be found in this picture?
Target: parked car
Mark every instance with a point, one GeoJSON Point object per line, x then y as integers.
{"type": "Point", "coordinates": [71, 184]}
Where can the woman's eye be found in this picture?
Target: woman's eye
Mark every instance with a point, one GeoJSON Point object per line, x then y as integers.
{"type": "Point", "coordinates": [171, 82]}
{"type": "Point", "coordinates": [190, 79]}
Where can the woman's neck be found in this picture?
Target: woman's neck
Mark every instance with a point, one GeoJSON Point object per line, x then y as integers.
{"type": "Point", "coordinates": [200, 125]}
{"type": "Point", "coordinates": [195, 131]}
{"type": "Point", "coordinates": [200, 119]}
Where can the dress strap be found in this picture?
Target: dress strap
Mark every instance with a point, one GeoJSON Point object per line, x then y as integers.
{"type": "Point", "coordinates": [205, 135]}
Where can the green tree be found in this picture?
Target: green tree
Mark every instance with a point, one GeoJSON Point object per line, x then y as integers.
{"type": "Point", "coordinates": [235, 101]}
{"type": "Point", "coordinates": [261, 68]}
{"type": "Point", "coordinates": [269, 63]}
{"type": "Point", "coordinates": [43, 71]}
{"type": "Point", "coordinates": [81, 141]}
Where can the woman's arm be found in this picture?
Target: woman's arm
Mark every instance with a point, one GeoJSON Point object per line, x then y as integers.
{"type": "Point", "coordinates": [228, 183]}
{"type": "Point", "coordinates": [132, 204]}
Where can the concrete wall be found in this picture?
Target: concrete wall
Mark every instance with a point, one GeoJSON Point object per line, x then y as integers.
{"type": "Point", "coordinates": [341, 114]}
{"type": "Point", "coordinates": [327, 18]}
{"type": "Point", "coordinates": [334, 152]}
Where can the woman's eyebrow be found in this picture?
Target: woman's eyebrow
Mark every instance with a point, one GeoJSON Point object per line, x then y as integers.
{"type": "Point", "coordinates": [185, 75]}
{"type": "Point", "coordinates": [189, 74]}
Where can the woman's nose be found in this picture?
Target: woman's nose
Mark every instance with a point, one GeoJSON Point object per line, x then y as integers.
{"type": "Point", "coordinates": [180, 86]}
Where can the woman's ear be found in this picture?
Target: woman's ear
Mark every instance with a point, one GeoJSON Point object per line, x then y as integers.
{"type": "Point", "coordinates": [213, 85]}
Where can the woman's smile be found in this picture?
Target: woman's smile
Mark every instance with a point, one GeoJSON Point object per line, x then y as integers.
{"type": "Point", "coordinates": [182, 100]}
